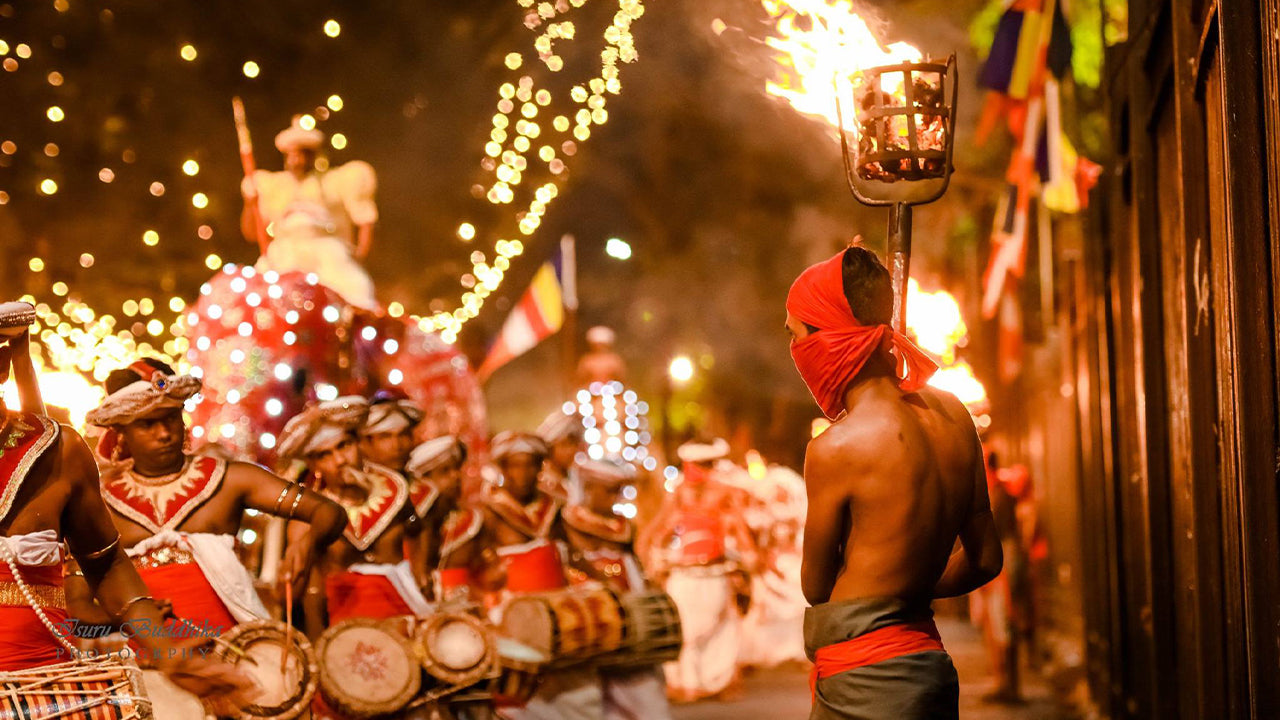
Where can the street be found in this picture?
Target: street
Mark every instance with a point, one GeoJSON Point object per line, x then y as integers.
{"type": "Point", "coordinates": [784, 693]}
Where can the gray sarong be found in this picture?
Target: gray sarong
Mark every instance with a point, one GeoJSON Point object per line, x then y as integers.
{"type": "Point", "coordinates": [919, 686]}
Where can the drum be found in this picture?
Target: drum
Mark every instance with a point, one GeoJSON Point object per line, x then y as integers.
{"type": "Point", "coordinates": [568, 626]}
{"type": "Point", "coordinates": [455, 648]}
{"type": "Point", "coordinates": [258, 649]}
{"type": "Point", "coordinates": [367, 668]}
{"type": "Point", "coordinates": [169, 700]}
{"type": "Point", "coordinates": [518, 669]}
{"type": "Point", "coordinates": [652, 633]}
{"type": "Point", "coordinates": [103, 688]}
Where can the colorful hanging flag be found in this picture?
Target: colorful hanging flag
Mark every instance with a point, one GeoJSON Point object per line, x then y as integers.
{"type": "Point", "coordinates": [1023, 48]}
{"type": "Point", "coordinates": [538, 316]}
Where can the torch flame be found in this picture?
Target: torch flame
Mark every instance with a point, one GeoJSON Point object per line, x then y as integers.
{"type": "Point", "coordinates": [959, 380]}
{"type": "Point", "coordinates": [69, 390]}
{"type": "Point", "coordinates": [934, 318]}
{"type": "Point", "coordinates": [822, 46]}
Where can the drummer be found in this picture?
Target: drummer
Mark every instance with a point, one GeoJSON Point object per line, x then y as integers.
{"type": "Point", "coordinates": [435, 475]}
{"type": "Point", "coordinates": [563, 434]}
{"type": "Point", "coordinates": [51, 484]}
{"type": "Point", "coordinates": [179, 513]}
{"type": "Point", "coordinates": [366, 575]}
{"type": "Point", "coordinates": [386, 438]}
{"type": "Point", "coordinates": [601, 542]}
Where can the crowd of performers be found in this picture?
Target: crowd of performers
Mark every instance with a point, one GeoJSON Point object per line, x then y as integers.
{"type": "Point", "coordinates": [416, 589]}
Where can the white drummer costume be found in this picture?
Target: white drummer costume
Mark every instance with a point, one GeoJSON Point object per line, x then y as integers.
{"type": "Point", "coordinates": [199, 573]}
{"type": "Point", "coordinates": [629, 694]}
{"type": "Point", "coordinates": [699, 581]}
{"type": "Point", "coordinates": [313, 220]}
{"type": "Point", "coordinates": [362, 590]}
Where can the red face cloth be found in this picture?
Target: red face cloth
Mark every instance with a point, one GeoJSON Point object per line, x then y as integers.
{"type": "Point", "coordinates": [830, 358]}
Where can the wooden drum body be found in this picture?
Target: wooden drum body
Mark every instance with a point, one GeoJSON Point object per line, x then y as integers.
{"type": "Point", "coordinates": [569, 626]}
{"type": "Point", "coordinates": [518, 669]}
{"type": "Point", "coordinates": [257, 648]}
{"type": "Point", "coordinates": [367, 668]}
{"type": "Point", "coordinates": [455, 648]}
{"type": "Point", "coordinates": [652, 631]}
{"type": "Point", "coordinates": [103, 689]}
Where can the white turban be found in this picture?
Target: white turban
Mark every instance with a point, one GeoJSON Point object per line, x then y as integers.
{"type": "Point", "coordinates": [139, 398]}
{"type": "Point", "coordinates": [392, 416]}
{"type": "Point", "coordinates": [559, 426]}
{"type": "Point", "coordinates": [506, 444]}
{"type": "Point", "coordinates": [322, 426]}
{"type": "Point", "coordinates": [296, 136]}
{"type": "Point", "coordinates": [693, 452]}
{"type": "Point", "coordinates": [435, 454]}
{"type": "Point", "coordinates": [601, 335]}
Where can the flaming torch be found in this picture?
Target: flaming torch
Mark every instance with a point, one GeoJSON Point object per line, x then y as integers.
{"type": "Point", "coordinates": [898, 151]}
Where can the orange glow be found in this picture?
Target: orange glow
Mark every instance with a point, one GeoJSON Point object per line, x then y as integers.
{"type": "Point", "coordinates": [822, 47]}
{"type": "Point", "coordinates": [934, 319]}
{"type": "Point", "coordinates": [959, 380]}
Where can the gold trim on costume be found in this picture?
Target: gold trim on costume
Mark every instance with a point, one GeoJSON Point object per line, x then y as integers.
{"type": "Point", "coordinates": [162, 556]}
{"type": "Point", "coordinates": [50, 596]}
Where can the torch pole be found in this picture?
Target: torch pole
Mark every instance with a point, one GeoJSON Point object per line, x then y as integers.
{"type": "Point", "coordinates": [900, 252]}
{"type": "Point", "coordinates": [249, 166]}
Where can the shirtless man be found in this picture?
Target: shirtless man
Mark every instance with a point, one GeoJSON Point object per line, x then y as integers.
{"type": "Point", "coordinates": [49, 493]}
{"type": "Point", "coordinates": [366, 575]}
{"type": "Point", "coordinates": [179, 513]}
{"type": "Point", "coordinates": [898, 508]}
{"type": "Point", "coordinates": [434, 471]}
{"type": "Point", "coordinates": [563, 435]}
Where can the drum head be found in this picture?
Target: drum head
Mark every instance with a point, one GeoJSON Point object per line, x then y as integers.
{"type": "Point", "coordinates": [366, 668]}
{"type": "Point", "coordinates": [528, 621]}
{"type": "Point", "coordinates": [286, 678]}
{"type": "Point", "coordinates": [513, 654]}
{"type": "Point", "coordinates": [456, 648]}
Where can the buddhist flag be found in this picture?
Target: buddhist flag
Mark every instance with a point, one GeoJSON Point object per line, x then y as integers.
{"type": "Point", "coordinates": [538, 316]}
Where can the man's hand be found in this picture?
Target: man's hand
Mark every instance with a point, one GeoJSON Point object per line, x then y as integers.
{"type": "Point", "coordinates": [295, 567]}
{"type": "Point", "coordinates": [224, 689]}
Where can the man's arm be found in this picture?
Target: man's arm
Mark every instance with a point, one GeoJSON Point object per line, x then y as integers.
{"type": "Point", "coordinates": [364, 241]}
{"type": "Point", "coordinates": [825, 526]}
{"type": "Point", "coordinates": [325, 518]}
{"type": "Point", "coordinates": [979, 557]}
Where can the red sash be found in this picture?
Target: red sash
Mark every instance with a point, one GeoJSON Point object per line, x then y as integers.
{"type": "Point", "coordinates": [533, 568]}
{"type": "Point", "coordinates": [610, 528]}
{"type": "Point", "coordinates": [354, 595]}
{"type": "Point", "coordinates": [701, 538]}
{"type": "Point", "coordinates": [25, 641]}
{"type": "Point", "coordinates": [165, 507]}
{"type": "Point", "coordinates": [193, 598]}
{"type": "Point", "coordinates": [874, 647]}
{"type": "Point", "coordinates": [24, 437]}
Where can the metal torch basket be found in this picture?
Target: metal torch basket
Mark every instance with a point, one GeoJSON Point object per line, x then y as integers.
{"type": "Point", "coordinates": [886, 168]}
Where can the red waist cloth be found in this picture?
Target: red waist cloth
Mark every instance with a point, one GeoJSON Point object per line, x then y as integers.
{"type": "Point", "coordinates": [701, 538]}
{"type": "Point", "coordinates": [874, 647]}
{"type": "Point", "coordinates": [24, 640]}
{"type": "Point", "coordinates": [192, 597]}
{"type": "Point", "coordinates": [353, 595]}
{"type": "Point", "coordinates": [535, 570]}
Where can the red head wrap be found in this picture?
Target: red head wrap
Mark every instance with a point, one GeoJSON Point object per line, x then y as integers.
{"type": "Point", "coordinates": [830, 358]}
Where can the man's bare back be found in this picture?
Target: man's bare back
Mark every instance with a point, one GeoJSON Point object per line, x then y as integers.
{"type": "Point", "coordinates": [892, 486]}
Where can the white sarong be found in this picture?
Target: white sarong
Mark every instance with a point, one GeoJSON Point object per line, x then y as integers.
{"type": "Point", "coordinates": [711, 627]}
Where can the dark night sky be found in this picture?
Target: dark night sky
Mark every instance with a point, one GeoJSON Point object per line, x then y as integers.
{"type": "Point", "coordinates": [724, 193]}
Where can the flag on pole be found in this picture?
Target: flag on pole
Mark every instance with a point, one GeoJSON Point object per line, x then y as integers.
{"type": "Point", "coordinates": [537, 316]}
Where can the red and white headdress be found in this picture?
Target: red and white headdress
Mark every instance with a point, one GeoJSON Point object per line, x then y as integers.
{"type": "Point", "coordinates": [392, 416]}
{"type": "Point", "coordinates": [322, 426]}
{"type": "Point", "coordinates": [435, 454]}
